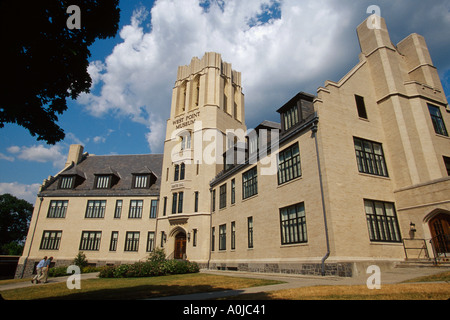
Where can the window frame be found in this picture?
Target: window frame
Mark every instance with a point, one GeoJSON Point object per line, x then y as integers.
{"type": "Point", "coordinates": [380, 229]}
{"type": "Point", "coordinates": [52, 241]}
{"type": "Point", "coordinates": [290, 167]}
{"type": "Point", "coordinates": [250, 233]}
{"type": "Point", "coordinates": [114, 241]}
{"type": "Point", "coordinates": [361, 107]}
{"type": "Point", "coordinates": [150, 241]}
{"type": "Point", "coordinates": [136, 209]}
{"type": "Point", "coordinates": [139, 183]}
{"type": "Point", "coordinates": [132, 243]}
{"type": "Point", "coordinates": [66, 182]}
{"type": "Point", "coordinates": [370, 162]}
{"type": "Point", "coordinates": [59, 210]}
{"type": "Point", "coordinates": [223, 196]}
{"type": "Point", "coordinates": [91, 242]}
{"type": "Point", "coordinates": [223, 237]}
{"type": "Point", "coordinates": [293, 229]}
{"type": "Point", "coordinates": [250, 183]}
{"type": "Point", "coordinates": [95, 211]}
{"type": "Point", "coordinates": [437, 120]}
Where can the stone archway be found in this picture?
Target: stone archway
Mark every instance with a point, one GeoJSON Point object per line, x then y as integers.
{"type": "Point", "coordinates": [180, 246]}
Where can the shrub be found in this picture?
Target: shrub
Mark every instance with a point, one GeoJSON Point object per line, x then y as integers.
{"type": "Point", "coordinates": [157, 255]}
{"type": "Point", "coordinates": [57, 271]}
{"type": "Point", "coordinates": [107, 272]}
{"type": "Point", "coordinates": [149, 269]}
{"type": "Point", "coordinates": [80, 260]}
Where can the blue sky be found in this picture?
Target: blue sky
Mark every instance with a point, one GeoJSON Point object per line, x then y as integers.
{"type": "Point", "coordinates": [296, 44]}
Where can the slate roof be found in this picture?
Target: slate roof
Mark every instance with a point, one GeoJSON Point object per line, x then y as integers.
{"type": "Point", "coordinates": [122, 166]}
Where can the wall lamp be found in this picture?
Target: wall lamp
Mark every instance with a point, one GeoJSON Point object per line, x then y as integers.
{"type": "Point", "coordinates": [412, 227]}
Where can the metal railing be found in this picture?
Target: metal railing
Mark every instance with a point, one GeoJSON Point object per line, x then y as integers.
{"type": "Point", "coordinates": [415, 248]}
{"type": "Point", "coordinates": [441, 246]}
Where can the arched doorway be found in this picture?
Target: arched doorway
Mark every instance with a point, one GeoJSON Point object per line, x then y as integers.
{"type": "Point", "coordinates": [440, 233]}
{"type": "Point", "coordinates": [180, 246]}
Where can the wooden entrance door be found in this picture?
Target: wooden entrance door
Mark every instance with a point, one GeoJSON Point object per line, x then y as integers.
{"type": "Point", "coordinates": [180, 246]}
{"type": "Point", "coordinates": [440, 233]}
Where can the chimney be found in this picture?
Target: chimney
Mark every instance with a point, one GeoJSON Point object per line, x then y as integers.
{"type": "Point", "coordinates": [75, 154]}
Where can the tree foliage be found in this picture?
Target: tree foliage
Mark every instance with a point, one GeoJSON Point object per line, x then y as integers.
{"type": "Point", "coordinates": [45, 62]}
{"type": "Point", "coordinates": [15, 216]}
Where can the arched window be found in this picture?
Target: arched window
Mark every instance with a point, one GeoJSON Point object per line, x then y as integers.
{"type": "Point", "coordinates": [186, 140]}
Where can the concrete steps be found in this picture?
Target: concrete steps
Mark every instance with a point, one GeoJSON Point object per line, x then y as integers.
{"type": "Point", "coordinates": [424, 263]}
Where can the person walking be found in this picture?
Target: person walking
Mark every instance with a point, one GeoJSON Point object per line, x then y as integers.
{"type": "Point", "coordinates": [39, 268]}
{"type": "Point", "coordinates": [45, 269]}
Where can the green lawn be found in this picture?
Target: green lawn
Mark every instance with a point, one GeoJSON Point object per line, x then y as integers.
{"type": "Point", "coordinates": [134, 288]}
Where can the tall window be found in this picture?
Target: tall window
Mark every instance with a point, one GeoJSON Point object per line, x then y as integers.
{"type": "Point", "coordinates": [233, 191]}
{"type": "Point", "coordinates": [57, 209]}
{"type": "Point", "coordinates": [114, 239]}
{"type": "Point", "coordinates": [250, 183]}
{"type": "Point", "coordinates": [223, 196]}
{"type": "Point", "coordinates": [174, 203]}
{"type": "Point", "coordinates": [136, 209]}
{"type": "Point", "coordinates": [213, 238]}
{"type": "Point", "coordinates": [289, 166]}
{"type": "Point", "coordinates": [90, 240]}
{"type": "Point", "coordinates": [213, 200]}
{"type": "Point", "coordinates": [293, 224]}
{"type": "Point", "coordinates": [250, 231]}
{"type": "Point", "coordinates": [195, 235]}
{"type": "Point", "coordinates": [196, 201]}
{"type": "Point", "coordinates": [132, 241]}
{"type": "Point", "coordinates": [118, 210]}
{"type": "Point", "coordinates": [153, 209]}
{"type": "Point", "coordinates": [223, 237]}
{"type": "Point", "coordinates": [182, 171]}
{"type": "Point", "coordinates": [361, 106]}
{"type": "Point", "coordinates": [177, 173]}
{"type": "Point", "coordinates": [180, 202]}
{"type": "Point", "coordinates": [382, 221]}
{"type": "Point", "coordinates": [370, 157]}
{"type": "Point", "coordinates": [233, 235]}
{"type": "Point", "coordinates": [165, 206]}
{"type": "Point", "coordinates": [95, 209]}
{"type": "Point", "coordinates": [50, 240]}
{"type": "Point", "coordinates": [438, 121]}
{"type": "Point", "coordinates": [150, 241]}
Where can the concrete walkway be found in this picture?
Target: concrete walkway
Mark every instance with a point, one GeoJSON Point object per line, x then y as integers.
{"type": "Point", "coordinates": [392, 276]}
{"type": "Point", "coordinates": [51, 280]}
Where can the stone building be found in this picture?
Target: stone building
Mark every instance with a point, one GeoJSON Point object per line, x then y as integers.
{"type": "Point", "coordinates": [354, 175]}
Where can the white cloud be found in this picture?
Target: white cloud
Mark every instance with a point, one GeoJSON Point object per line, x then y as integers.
{"type": "Point", "coordinates": [307, 43]}
{"type": "Point", "coordinates": [27, 192]}
{"type": "Point", "coordinates": [39, 153]}
{"type": "Point", "coordinates": [5, 157]}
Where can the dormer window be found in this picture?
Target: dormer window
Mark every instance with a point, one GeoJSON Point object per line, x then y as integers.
{"type": "Point", "coordinates": [141, 181]}
{"type": "Point", "coordinates": [290, 117]}
{"type": "Point", "coordinates": [103, 181]}
{"type": "Point", "coordinates": [67, 182]}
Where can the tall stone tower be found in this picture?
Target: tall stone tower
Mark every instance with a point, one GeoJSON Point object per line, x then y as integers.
{"type": "Point", "coordinates": [207, 104]}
